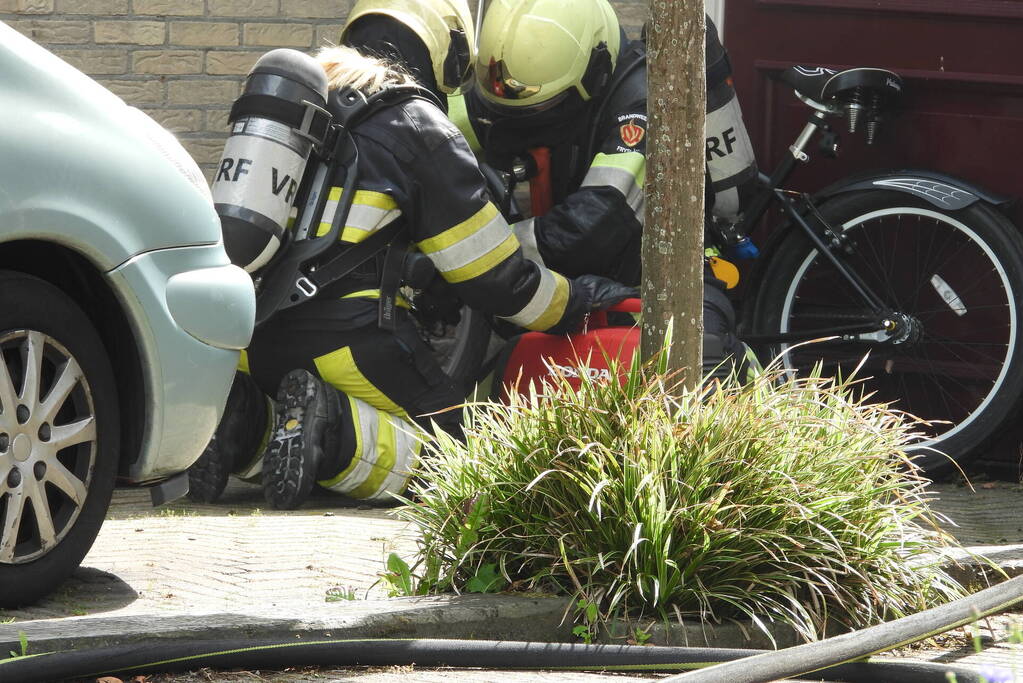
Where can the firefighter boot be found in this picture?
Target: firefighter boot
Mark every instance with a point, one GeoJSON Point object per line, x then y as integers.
{"type": "Point", "coordinates": [239, 440]}
{"type": "Point", "coordinates": [307, 408]}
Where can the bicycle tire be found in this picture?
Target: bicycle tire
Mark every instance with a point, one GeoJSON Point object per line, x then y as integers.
{"type": "Point", "coordinates": [959, 274]}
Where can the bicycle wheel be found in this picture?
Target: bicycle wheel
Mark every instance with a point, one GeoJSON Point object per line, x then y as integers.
{"type": "Point", "coordinates": [954, 277]}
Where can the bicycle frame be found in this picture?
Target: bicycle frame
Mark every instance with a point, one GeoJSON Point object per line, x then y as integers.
{"type": "Point", "coordinates": [796, 206]}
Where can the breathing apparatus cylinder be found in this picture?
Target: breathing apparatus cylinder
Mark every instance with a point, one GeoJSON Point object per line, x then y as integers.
{"type": "Point", "coordinates": [275, 123]}
{"type": "Point", "coordinates": [731, 165]}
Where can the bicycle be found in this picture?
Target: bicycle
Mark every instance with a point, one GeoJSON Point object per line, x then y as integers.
{"type": "Point", "coordinates": [915, 274]}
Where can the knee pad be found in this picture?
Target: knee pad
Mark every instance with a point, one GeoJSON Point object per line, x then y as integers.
{"type": "Point", "coordinates": [376, 452]}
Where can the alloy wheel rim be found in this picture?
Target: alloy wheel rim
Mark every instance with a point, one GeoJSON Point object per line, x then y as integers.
{"type": "Point", "coordinates": [48, 444]}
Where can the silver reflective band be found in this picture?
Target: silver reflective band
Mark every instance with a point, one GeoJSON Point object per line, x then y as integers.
{"type": "Point", "coordinates": [373, 425]}
{"type": "Point", "coordinates": [622, 180]}
{"type": "Point", "coordinates": [540, 302]}
{"type": "Point", "coordinates": [525, 232]}
{"type": "Point", "coordinates": [489, 237]}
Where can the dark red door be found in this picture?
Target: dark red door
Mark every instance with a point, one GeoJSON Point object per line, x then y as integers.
{"type": "Point", "coordinates": [962, 61]}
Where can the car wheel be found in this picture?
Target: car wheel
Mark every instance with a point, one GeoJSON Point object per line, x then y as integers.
{"type": "Point", "coordinates": [59, 437]}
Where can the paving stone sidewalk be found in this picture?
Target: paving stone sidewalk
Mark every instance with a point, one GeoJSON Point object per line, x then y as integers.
{"type": "Point", "coordinates": [239, 561]}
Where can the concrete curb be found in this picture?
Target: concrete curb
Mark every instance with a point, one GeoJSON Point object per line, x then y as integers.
{"type": "Point", "coordinates": [497, 617]}
{"type": "Point", "coordinates": [474, 617]}
{"type": "Point", "coordinates": [964, 564]}
{"type": "Point", "coordinates": [489, 617]}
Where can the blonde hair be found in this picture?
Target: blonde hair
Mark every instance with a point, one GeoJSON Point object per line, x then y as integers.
{"type": "Point", "coordinates": [346, 67]}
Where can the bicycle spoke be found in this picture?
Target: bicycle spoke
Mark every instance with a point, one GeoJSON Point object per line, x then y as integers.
{"type": "Point", "coordinates": [964, 361]}
{"type": "Point", "coordinates": [879, 277]}
{"type": "Point", "coordinates": [919, 265]}
{"type": "Point", "coordinates": [926, 279]}
{"type": "Point", "coordinates": [948, 394]}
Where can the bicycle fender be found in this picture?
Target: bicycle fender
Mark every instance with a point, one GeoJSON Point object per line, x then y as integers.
{"type": "Point", "coordinates": [942, 190]}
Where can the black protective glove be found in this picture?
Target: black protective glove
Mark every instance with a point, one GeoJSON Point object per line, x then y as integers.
{"type": "Point", "coordinates": [600, 293]}
{"type": "Point", "coordinates": [591, 293]}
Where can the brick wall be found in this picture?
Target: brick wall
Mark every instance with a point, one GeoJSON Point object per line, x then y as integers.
{"type": "Point", "coordinates": [182, 61]}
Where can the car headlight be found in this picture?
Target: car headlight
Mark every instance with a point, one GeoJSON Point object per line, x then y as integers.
{"type": "Point", "coordinates": [168, 146]}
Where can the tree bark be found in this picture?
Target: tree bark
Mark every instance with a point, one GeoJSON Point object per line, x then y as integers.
{"type": "Point", "coordinates": [672, 287]}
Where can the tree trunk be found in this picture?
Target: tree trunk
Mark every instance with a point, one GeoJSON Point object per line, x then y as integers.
{"type": "Point", "coordinates": [672, 285]}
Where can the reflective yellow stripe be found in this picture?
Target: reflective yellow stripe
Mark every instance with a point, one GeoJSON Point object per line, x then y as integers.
{"type": "Point", "coordinates": [374, 294]}
{"type": "Point", "coordinates": [556, 309]}
{"type": "Point", "coordinates": [338, 369]}
{"type": "Point", "coordinates": [472, 247]}
{"type": "Point", "coordinates": [386, 455]}
{"type": "Point", "coordinates": [386, 449]}
{"type": "Point", "coordinates": [632, 163]}
{"type": "Point", "coordinates": [484, 263]}
{"type": "Point", "coordinates": [243, 362]}
{"type": "Point", "coordinates": [460, 232]}
{"type": "Point", "coordinates": [370, 211]}
{"type": "Point", "coordinates": [624, 172]}
{"type": "Point", "coordinates": [458, 113]}
{"type": "Point", "coordinates": [548, 304]}
{"type": "Point", "coordinates": [378, 200]}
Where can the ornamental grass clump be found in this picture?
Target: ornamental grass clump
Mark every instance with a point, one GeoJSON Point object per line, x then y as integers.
{"type": "Point", "coordinates": [778, 501]}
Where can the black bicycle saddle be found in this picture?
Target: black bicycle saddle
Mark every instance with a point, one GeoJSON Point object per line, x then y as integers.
{"type": "Point", "coordinates": [821, 84]}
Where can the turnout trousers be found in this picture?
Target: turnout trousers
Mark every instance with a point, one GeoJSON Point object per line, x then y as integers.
{"type": "Point", "coordinates": [390, 386]}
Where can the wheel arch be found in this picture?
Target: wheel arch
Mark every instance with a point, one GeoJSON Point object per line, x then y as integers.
{"type": "Point", "coordinates": [83, 281]}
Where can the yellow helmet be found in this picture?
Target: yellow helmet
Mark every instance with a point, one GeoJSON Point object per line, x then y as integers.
{"type": "Point", "coordinates": [534, 53]}
{"type": "Point", "coordinates": [444, 26]}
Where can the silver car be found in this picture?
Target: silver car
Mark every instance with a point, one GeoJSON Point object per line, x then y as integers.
{"type": "Point", "coordinates": [121, 318]}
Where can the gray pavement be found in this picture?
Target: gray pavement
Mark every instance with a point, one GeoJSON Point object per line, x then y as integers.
{"type": "Point", "coordinates": [236, 569]}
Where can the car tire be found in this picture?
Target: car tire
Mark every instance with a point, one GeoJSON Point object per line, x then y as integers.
{"type": "Point", "coordinates": [59, 437]}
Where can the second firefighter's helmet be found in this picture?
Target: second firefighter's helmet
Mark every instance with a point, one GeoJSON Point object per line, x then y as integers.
{"type": "Point", "coordinates": [533, 54]}
{"type": "Point", "coordinates": [444, 26]}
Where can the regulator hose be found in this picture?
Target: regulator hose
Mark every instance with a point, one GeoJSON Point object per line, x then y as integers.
{"type": "Point", "coordinates": [833, 659]}
{"type": "Point", "coordinates": [848, 647]}
{"type": "Point", "coordinates": [185, 655]}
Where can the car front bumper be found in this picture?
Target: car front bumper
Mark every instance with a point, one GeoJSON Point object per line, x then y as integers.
{"type": "Point", "coordinates": [192, 311]}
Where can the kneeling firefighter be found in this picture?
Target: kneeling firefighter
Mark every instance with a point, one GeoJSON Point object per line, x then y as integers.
{"type": "Point", "coordinates": [560, 90]}
{"type": "Point", "coordinates": [350, 372]}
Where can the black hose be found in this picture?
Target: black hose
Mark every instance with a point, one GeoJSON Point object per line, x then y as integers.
{"type": "Point", "coordinates": [848, 647]}
{"type": "Point", "coordinates": [185, 655]}
{"type": "Point", "coordinates": [836, 659]}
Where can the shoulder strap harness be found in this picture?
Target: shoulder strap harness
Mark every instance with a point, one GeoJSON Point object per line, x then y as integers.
{"type": "Point", "coordinates": [294, 278]}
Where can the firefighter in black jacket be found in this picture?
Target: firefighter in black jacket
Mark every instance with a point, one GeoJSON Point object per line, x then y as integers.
{"type": "Point", "coordinates": [563, 77]}
{"type": "Point", "coordinates": [348, 391]}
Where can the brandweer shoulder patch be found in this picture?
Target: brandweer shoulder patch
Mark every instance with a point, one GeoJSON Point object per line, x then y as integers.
{"type": "Point", "coordinates": [632, 131]}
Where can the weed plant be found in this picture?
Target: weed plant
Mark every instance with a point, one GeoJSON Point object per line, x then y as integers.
{"type": "Point", "coordinates": [784, 500]}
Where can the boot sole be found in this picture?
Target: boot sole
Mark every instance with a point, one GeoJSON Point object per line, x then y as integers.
{"type": "Point", "coordinates": [294, 453]}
